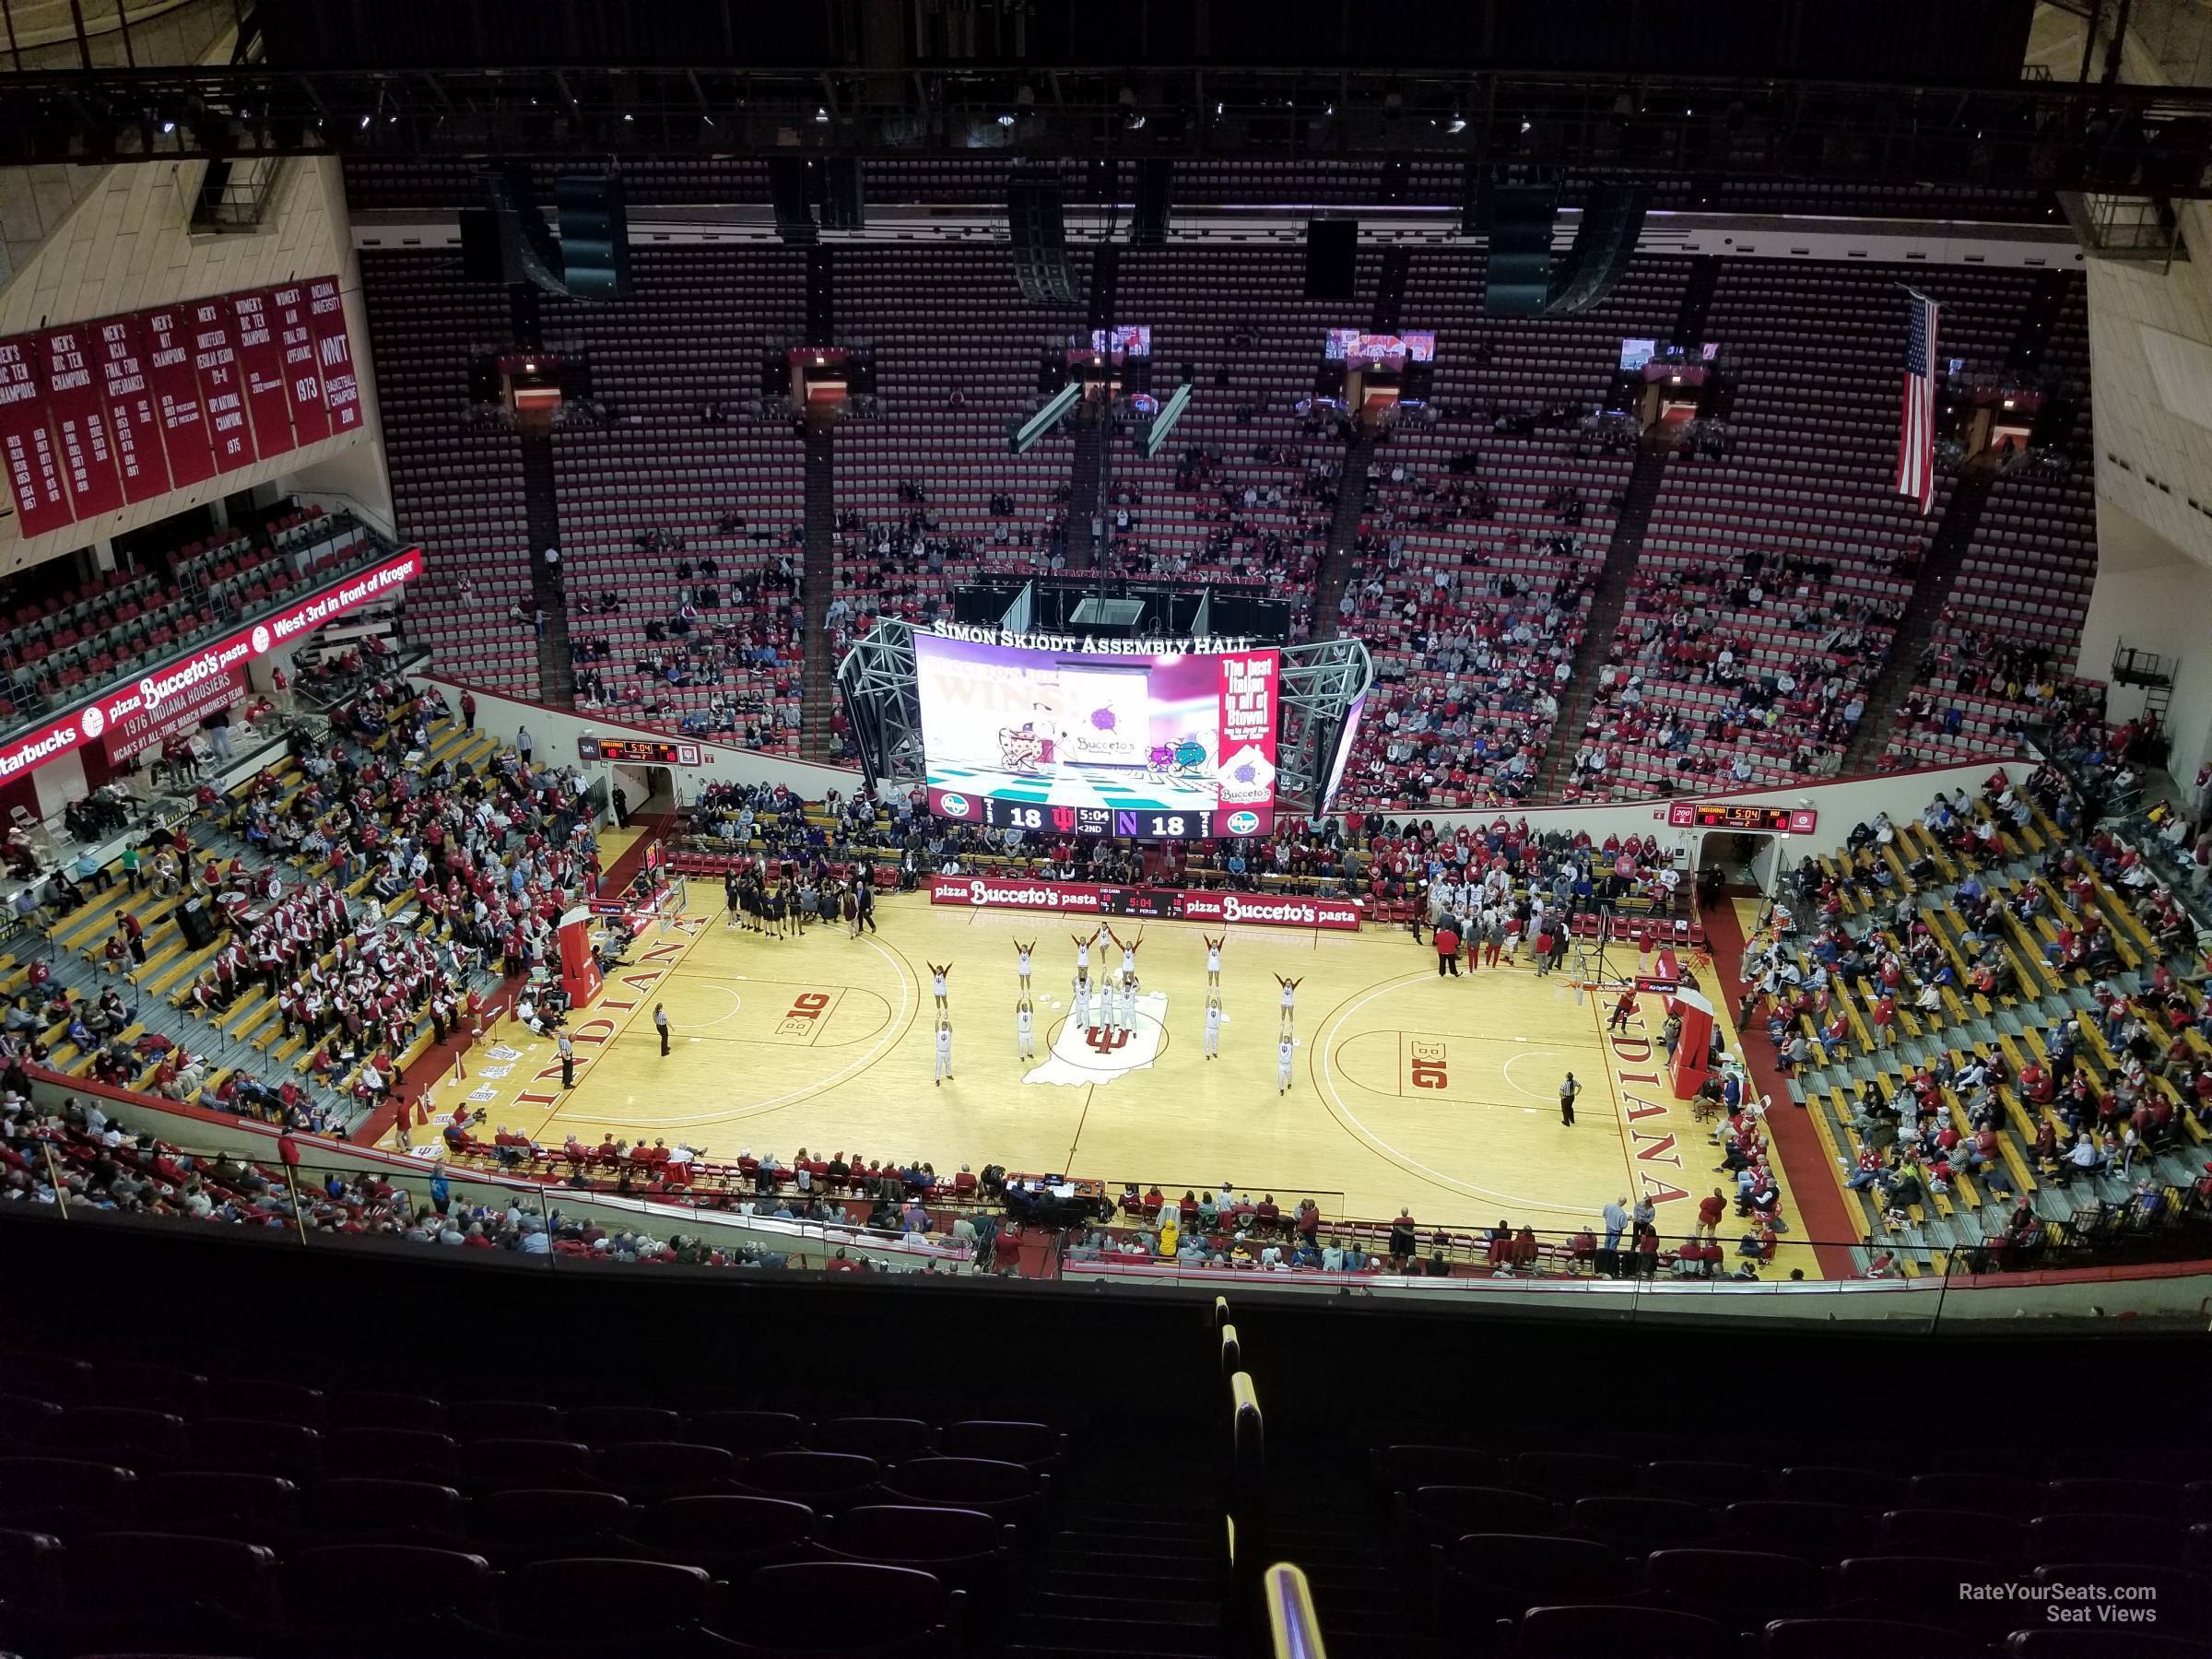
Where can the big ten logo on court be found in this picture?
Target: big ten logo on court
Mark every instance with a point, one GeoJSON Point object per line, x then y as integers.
{"type": "Point", "coordinates": [1428, 1067]}
{"type": "Point", "coordinates": [805, 1008]}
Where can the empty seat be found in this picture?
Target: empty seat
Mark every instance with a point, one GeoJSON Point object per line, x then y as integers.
{"type": "Point", "coordinates": [263, 1509]}
{"type": "Point", "coordinates": [1863, 1639]}
{"type": "Point", "coordinates": [258, 1446]}
{"type": "Point", "coordinates": [748, 1433]}
{"type": "Point", "coordinates": [2095, 1538]}
{"type": "Point", "coordinates": [1863, 1489]}
{"type": "Point", "coordinates": [30, 1570]}
{"type": "Point", "coordinates": [65, 1491]}
{"type": "Point", "coordinates": [1743, 1587]}
{"type": "Point", "coordinates": [1578, 1632]}
{"type": "Point", "coordinates": [2110, 1497]}
{"type": "Point", "coordinates": [2183, 1601]}
{"type": "Point", "coordinates": [886, 1439]}
{"type": "Point", "coordinates": [966, 1549]}
{"type": "Point", "coordinates": [611, 1599]}
{"type": "Point", "coordinates": [650, 1469]}
{"type": "Point", "coordinates": [726, 1533]}
{"type": "Point", "coordinates": [1401, 1468]}
{"type": "Point", "coordinates": [138, 1438]}
{"type": "Point", "coordinates": [471, 1421]}
{"type": "Point", "coordinates": [376, 1409]}
{"type": "Point", "coordinates": [1499, 1575]}
{"type": "Point", "coordinates": [1714, 1485]}
{"type": "Point", "coordinates": [825, 1480]}
{"type": "Point", "coordinates": [328, 1591]}
{"type": "Point", "coordinates": [394, 1453]}
{"type": "Point", "coordinates": [879, 1609]}
{"type": "Point", "coordinates": [1819, 1532]}
{"type": "Point", "coordinates": [1638, 1525]}
{"type": "Point", "coordinates": [143, 1575]}
{"type": "Point", "coordinates": [1925, 1590]}
{"type": "Point", "coordinates": [614, 1425]}
{"type": "Point", "coordinates": [1438, 1514]}
{"type": "Point", "coordinates": [1996, 1494]}
{"type": "Point", "coordinates": [1572, 1475]}
{"type": "Point", "coordinates": [488, 1465]}
{"type": "Point", "coordinates": [525, 1523]}
{"type": "Point", "coordinates": [1036, 1444]}
{"type": "Point", "coordinates": [391, 1512]}
{"type": "Point", "coordinates": [1995, 1539]}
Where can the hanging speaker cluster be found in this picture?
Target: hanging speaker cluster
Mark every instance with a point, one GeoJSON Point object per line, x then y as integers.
{"type": "Point", "coordinates": [1034, 215]}
{"type": "Point", "coordinates": [508, 240]}
{"type": "Point", "coordinates": [1522, 280]}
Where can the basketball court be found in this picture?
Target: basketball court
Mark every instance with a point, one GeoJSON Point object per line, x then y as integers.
{"type": "Point", "coordinates": [1441, 1095]}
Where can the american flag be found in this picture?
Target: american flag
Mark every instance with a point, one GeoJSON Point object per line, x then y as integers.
{"type": "Point", "coordinates": [1916, 425]}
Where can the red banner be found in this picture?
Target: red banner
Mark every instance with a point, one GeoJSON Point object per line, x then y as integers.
{"type": "Point", "coordinates": [119, 704]}
{"type": "Point", "coordinates": [34, 473]}
{"type": "Point", "coordinates": [177, 396]}
{"type": "Point", "coordinates": [333, 354]}
{"type": "Point", "coordinates": [160, 716]}
{"type": "Point", "coordinates": [134, 423]}
{"type": "Point", "coordinates": [261, 362]}
{"type": "Point", "coordinates": [1190, 904]}
{"type": "Point", "coordinates": [303, 380]}
{"type": "Point", "coordinates": [222, 386]}
{"type": "Point", "coordinates": [78, 415]}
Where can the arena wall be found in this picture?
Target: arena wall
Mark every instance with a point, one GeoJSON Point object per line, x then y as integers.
{"type": "Point", "coordinates": [1840, 805]}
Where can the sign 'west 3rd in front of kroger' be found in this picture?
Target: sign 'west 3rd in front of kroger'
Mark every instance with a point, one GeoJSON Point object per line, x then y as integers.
{"type": "Point", "coordinates": [139, 710]}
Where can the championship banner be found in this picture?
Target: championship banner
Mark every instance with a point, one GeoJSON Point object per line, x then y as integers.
{"type": "Point", "coordinates": [78, 415]}
{"type": "Point", "coordinates": [1190, 904]}
{"type": "Point", "coordinates": [120, 704]}
{"type": "Point", "coordinates": [222, 386]}
{"type": "Point", "coordinates": [333, 354]}
{"type": "Point", "coordinates": [177, 398]}
{"type": "Point", "coordinates": [261, 363]}
{"type": "Point", "coordinates": [579, 968]}
{"type": "Point", "coordinates": [303, 380]}
{"type": "Point", "coordinates": [34, 473]}
{"type": "Point", "coordinates": [134, 422]}
{"type": "Point", "coordinates": [160, 716]}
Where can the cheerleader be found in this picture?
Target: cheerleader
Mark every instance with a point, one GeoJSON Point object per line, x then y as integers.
{"type": "Point", "coordinates": [936, 983]}
{"type": "Point", "coordinates": [1290, 1004]}
{"type": "Point", "coordinates": [1282, 1065]}
{"type": "Point", "coordinates": [1082, 952]}
{"type": "Point", "coordinates": [1082, 1000]}
{"type": "Point", "coordinates": [944, 1050]}
{"type": "Point", "coordinates": [1128, 1003]}
{"type": "Point", "coordinates": [1025, 1041]}
{"type": "Point", "coordinates": [1213, 960]}
{"type": "Point", "coordinates": [1021, 963]}
{"type": "Point", "coordinates": [1129, 955]}
{"type": "Point", "coordinates": [1213, 1027]}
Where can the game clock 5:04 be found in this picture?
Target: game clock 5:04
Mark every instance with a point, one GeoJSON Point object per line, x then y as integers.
{"type": "Point", "coordinates": [1128, 823]}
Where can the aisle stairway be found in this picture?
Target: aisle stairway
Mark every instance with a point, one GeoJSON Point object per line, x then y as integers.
{"type": "Point", "coordinates": [818, 578]}
{"type": "Point", "coordinates": [1132, 1565]}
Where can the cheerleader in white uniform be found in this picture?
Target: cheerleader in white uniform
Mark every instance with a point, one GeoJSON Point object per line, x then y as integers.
{"type": "Point", "coordinates": [1282, 1065]}
{"type": "Point", "coordinates": [1025, 1041]}
{"type": "Point", "coordinates": [1021, 963]}
{"type": "Point", "coordinates": [944, 1051]}
{"type": "Point", "coordinates": [1082, 1000]}
{"type": "Point", "coordinates": [1290, 1004]}
{"type": "Point", "coordinates": [1213, 1027]}
{"type": "Point", "coordinates": [1213, 959]}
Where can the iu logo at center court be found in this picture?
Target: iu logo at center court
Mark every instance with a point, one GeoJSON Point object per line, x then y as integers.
{"type": "Point", "coordinates": [1099, 1055]}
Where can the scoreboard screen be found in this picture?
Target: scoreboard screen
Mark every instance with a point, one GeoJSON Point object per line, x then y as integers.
{"type": "Point", "coordinates": [1130, 823]}
{"type": "Point", "coordinates": [639, 751]}
{"type": "Point", "coordinates": [1734, 815]}
{"type": "Point", "coordinates": [1171, 746]}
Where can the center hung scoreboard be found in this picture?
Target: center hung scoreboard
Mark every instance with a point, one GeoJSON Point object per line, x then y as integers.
{"type": "Point", "coordinates": [1168, 746]}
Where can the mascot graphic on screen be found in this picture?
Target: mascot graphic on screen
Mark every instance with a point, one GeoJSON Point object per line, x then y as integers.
{"type": "Point", "coordinates": [1030, 747]}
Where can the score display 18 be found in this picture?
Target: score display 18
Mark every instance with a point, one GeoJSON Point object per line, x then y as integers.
{"type": "Point", "coordinates": [1132, 823]}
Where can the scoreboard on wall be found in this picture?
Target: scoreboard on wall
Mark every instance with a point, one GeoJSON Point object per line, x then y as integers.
{"type": "Point", "coordinates": [638, 751]}
{"type": "Point", "coordinates": [1738, 815]}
